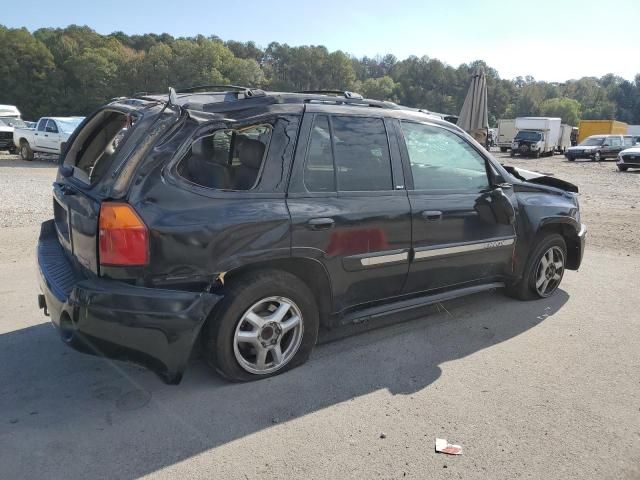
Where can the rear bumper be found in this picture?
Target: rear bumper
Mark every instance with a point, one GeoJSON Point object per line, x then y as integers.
{"type": "Point", "coordinates": [153, 327]}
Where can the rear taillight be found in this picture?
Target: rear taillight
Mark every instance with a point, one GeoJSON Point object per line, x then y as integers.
{"type": "Point", "coordinates": [123, 237]}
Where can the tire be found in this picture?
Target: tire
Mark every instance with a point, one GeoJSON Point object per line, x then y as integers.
{"type": "Point", "coordinates": [25, 151]}
{"type": "Point", "coordinates": [238, 360]}
{"type": "Point", "coordinates": [537, 154]}
{"type": "Point", "coordinates": [13, 150]}
{"type": "Point", "coordinates": [503, 149]}
{"type": "Point", "coordinates": [512, 154]}
{"type": "Point", "coordinates": [571, 159]}
{"type": "Point", "coordinates": [623, 169]}
{"type": "Point", "coordinates": [597, 157]}
{"type": "Point", "coordinates": [529, 287]}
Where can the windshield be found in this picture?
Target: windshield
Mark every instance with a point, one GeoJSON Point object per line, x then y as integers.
{"type": "Point", "coordinates": [11, 122]}
{"type": "Point", "coordinates": [68, 125]}
{"type": "Point", "coordinates": [529, 136]}
{"type": "Point", "coordinates": [593, 141]}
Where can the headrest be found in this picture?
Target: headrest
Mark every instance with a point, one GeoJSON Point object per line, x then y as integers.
{"type": "Point", "coordinates": [203, 148]}
{"type": "Point", "coordinates": [250, 152]}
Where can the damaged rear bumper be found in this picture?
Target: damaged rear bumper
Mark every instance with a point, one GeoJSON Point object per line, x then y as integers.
{"type": "Point", "coordinates": [153, 327]}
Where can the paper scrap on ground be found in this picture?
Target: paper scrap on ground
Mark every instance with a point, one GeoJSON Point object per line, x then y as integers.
{"type": "Point", "coordinates": [442, 446]}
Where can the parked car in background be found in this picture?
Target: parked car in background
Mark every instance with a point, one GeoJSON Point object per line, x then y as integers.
{"type": "Point", "coordinates": [250, 222]}
{"type": "Point", "coordinates": [600, 147]}
{"type": "Point", "coordinates": [629, 158]}
{"type": "Point", "coordinates": [48, 136]}
{"type": "Point", "coordinates": [536, 136]}
{"type": "Point", "coordinates": [9, 120]}
{"type": "Point", "coordinates": [564, 140]}
{"type": "Point", "coordinates": [506, 133]}
{"type": "Point", "coordinates": [589, 128]}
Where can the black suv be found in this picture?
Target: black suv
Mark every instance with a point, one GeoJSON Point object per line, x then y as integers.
{"type": "Point", "coordinates": [245, 221]}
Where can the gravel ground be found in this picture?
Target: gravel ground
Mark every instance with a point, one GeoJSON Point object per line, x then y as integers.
{"type": "Point", "coordinates": [545, 389]}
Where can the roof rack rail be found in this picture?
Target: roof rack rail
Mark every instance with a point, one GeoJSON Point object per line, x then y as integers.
{"type": "Point", "coordinates": [345, 93]}
{"type": "Point", "coordinates": [248, 91]}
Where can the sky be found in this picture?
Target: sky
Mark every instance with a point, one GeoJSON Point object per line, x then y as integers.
{"type": "Point", "coordinates": [549, 40]}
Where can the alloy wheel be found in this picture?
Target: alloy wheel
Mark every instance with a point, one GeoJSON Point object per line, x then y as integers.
{"type": "Point", "coordinates": [268, 335]}
{"type": "Point", "coordinates": [549, 271]}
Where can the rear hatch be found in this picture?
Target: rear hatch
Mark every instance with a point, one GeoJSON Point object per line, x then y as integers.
{"type": "Point", "coordinates": [98, 164]}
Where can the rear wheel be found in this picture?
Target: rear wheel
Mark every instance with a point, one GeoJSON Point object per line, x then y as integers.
{"type": "Point", "coordinates": [266, 324]}
{"type": "Point", "coordinates": [503, 149]}
{"type": "Point", "coordinates": [25, 151]}
{"type": "Point", "coordinates": [571, 159]}
{"type": "Point", "coordinates": [13, 150]}
{"type": "Point", "coordinates": [622, 169]}
{"type": "Point", "coordinates": [597, 156]}
{"type": "Point", "coordinates": [544, 269]}
{"type": "Point", "coordinates": [513, 154]}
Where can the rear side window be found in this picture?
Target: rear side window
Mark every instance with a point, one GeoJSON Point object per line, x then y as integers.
{"type": "Point", "coordinates": [441, 160]}
{"type": "Point", "coordinates": [353, 150]}
{"type": "Point", "coordinates": [362, 156]}
{"type": "Point", "coordinates": [230, 159]}
{"type": "Point", "coordinates": [319, 173]}
{"type": "Point", "coordinates": [628, 141]}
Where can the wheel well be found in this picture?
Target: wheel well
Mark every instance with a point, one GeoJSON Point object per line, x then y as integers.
{"type": "Point", "coordinates": [23, 140]}
{"type": "Point", "coordinates": [571, 239]}
{"type": "Point", "coordinates": [311, 272]}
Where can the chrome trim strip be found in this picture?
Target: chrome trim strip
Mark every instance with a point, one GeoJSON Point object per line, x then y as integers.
{"type": "Point", "coordinates": [380, 259]}
{"type": "Point", "coordinates": [471, 247]}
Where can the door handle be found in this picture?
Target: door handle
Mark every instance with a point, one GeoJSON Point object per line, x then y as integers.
{"type": "Point", "coordinates": [432, 215]}
{"type": "Point", "coordinates": [46, 135]}
{"type": "Point", "coordinates": [36, 134]}
{"type": "Point", "coordinates": [320, 223]}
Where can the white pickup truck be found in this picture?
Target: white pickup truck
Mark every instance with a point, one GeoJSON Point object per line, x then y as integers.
{"type": "Point", "coordinates": [48, 136]}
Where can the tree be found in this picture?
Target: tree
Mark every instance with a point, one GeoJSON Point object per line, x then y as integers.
{"type": "Point", "coordinates": [565, 108]}
{"type": "Point", "coordinates": [72, 70]}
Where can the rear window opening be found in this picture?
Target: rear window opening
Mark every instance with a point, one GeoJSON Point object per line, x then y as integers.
{"type": "Point", "coordinates": [98, 143]}
{"type": "Point", "coordinates": [229, 159]}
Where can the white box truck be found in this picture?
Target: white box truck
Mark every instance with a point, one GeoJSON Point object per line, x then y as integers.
{"type": "Point", "coordinates": [564, 141]}
{"type": "Point", "coordinates": [506, 132]}
{"type": "Point", "coordinates": [536, 136]}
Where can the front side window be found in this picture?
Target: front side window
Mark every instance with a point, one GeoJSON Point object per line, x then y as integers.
{"type": "Point", "coordinates": [229, 159]}
{"type": "Point", "coordinates": [441, 160]}
{"type": "Point", "coordinates": [42, 124]}
{"type": "Point", "coordinates": [52, 127]}
{"type": "Point", "coordinates": [614, 141]}
{"type": "Point", "coordinates": [361, 150]}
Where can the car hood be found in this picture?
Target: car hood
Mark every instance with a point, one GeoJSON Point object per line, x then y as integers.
{"type": "Point", "coordinates": [541, 179]}
{"type": "Point", "coordinates": [582, 147]}
{"type": "Point", "coordinates": [632, 151]}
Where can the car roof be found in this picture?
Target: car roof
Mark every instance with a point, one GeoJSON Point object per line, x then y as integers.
{"type": "Point", "coordinates": [205, 105]}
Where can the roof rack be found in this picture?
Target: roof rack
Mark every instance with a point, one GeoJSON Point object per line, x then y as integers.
{"type": "Point", "coordinates": [345, 93]}
{"type": "Point", "coordinates": [247, 91]}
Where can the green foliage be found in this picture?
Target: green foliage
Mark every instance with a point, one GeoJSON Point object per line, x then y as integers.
{"type": "Point", "coordinates": [566, 108]}
{"type": "Point", "coordinates": [73, 70]}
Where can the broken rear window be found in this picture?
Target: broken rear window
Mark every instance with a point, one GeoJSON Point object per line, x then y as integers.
{"type": "Point", "coordinates": [98, 143]}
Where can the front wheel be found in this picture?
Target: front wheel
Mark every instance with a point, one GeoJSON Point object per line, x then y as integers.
{"type": "Point", "coordinates": [544, 269]}
{"type": "Point", "coordinates": [25, 151]}
{"type": "Point", "coordinates": [503, 149]}
{"type": "Point", "coordinates": [597, 156]}
{"type": "Point", "coordinates": [622, 169]}
{"type": "Point", "coordinates": [267, 323]}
